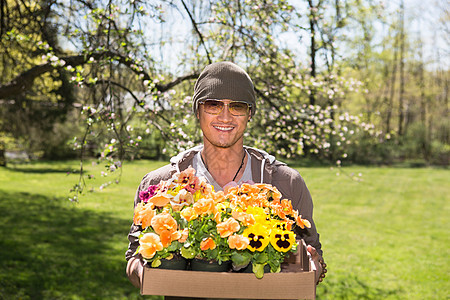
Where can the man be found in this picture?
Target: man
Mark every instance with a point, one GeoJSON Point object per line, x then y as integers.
{"type": "Point", "coordinates": [224, 102]}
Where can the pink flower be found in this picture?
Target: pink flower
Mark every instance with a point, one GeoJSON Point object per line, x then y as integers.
{"type": "Point", "coordinates": [147, 194]}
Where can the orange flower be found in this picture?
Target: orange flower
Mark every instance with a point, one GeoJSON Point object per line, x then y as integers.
{"type": "Point", "coordinates": [149, 244]}
{"type": "Point", "coordinates": [164, 222]}
{"type": "Point", "coordinates": [302, 222]}
{"type": "Point", "coordinates": [238, 242]}
{"type": "Point", "coordinates": [204, 206]}
{"type": "Point", "coordinates": [205, 188]}
{"type": "Point", "coordinates": [207, 244]}
{"type": "Point", "coordinates": [228, 227]}
{"type": "Point", "coordinates": [137, 219]}
{"type": "Point", "coordinates": [143, 214]}
{"type": "Point", "coordinates": [217, 216]}
{"type": "Point", "coordinates": [246, 219]}
{"type": "Point", "coordinates": [287, 206]}
{"type": "Point", "coordinates": [259, 200]}
{"type": "Point", "coordinates": [271, 191]}
{"type": "Point", "coordinates": [189, 213]}
{"type": "Point", "coordinates": [184, 235]}
{"type": "Point", "coordinates": [249, 188]}
{"type": "Point", "coordinates": [278, 209]}
{"type": "Point", "coordinates": [166, 226]}
{"type": "Point", "coordinates": [236, 201]}
{"type": "Point", "coordinates": [167, 237]}
{"type": "Point", "coordinates": [160, 199]}
{"type": "Point", "coordinates": [232, 190]}
{"type": "Point", "coordinates": [217, 196]}
{"type": "Point", "coordinates": [184, 177]}
{"type": "Point", "coordinates": [183, 198]}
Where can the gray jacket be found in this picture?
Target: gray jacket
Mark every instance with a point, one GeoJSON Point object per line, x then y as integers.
{"type": "Point", "coordinates": [265, 169]}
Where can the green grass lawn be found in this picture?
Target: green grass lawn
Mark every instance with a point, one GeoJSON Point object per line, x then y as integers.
{"type": "Point", "coordinates": [386, 237]}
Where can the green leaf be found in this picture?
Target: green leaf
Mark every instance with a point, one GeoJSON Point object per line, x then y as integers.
{"type": "Point", "coordinates": [173, 246]}
{"type": "Point", "coordinates": [156, 263]}
{"type": "Point", "coordinates": [240, 260]}
{"type": "Point", "coordinates": [188, 253]}
{"type": "Point", "coordinates": [260, 258]}
{"type": "Point", "coordinates": [258, 269]}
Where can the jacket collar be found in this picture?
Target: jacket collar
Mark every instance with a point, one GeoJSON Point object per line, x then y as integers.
{"type": "Point", "coordinates": [261, 169]}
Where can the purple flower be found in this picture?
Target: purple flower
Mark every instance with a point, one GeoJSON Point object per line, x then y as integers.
{"type": "Point", "coordinates": [144, 196]}
{"type": "Point", "coordinates": [152, 190]}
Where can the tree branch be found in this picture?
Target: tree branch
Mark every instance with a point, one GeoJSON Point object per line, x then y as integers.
{"type": "Point", "coordinates": [24, 81]}
{"type": "Point", "coordinates": [136, 100]}
{"type": "Point", "coordinates": [198, 31]}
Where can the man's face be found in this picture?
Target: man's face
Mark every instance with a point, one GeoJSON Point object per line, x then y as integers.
{"type": "Point", "coordinates": [224, 129]}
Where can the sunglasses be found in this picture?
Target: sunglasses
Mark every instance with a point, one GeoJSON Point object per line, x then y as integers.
{"type": "Point", "coordinates": [215, 107]}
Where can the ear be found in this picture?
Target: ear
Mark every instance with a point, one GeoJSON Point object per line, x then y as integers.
{"type": "Point", "coordinates": [249, 116]}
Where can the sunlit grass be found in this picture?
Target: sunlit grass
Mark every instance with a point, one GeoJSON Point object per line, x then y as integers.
{"type": "Point", "coordinates": [386, 237]}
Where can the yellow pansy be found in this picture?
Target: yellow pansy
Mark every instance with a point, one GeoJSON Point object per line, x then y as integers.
{"type": "Point", "coordinates": [258, 236]}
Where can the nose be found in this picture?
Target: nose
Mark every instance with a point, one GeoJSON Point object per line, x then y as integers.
{"type": "Point", "coordinates": [225, 115]}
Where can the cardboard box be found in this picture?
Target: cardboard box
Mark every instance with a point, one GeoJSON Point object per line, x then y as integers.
{"type": "Point", "coordinates": [296, 281]}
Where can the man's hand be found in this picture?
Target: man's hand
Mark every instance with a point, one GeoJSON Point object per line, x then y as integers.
{"type": "Point", "coordinates": [321, 266]}
{"type": "Point", "coordinates": [135, 268]}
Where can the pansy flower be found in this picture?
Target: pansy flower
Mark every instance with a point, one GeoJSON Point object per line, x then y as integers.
{"type": "Point", "coordinates": [183, 198]}
{"type": "Point", "coordinates": [205, 188]}
{"type": "Point", "coordinates": [143, 214]}
{"type": "Point", "coordinates": [193, 185]}
{"type": "Point", "coordinates": [207, 244]}
{"type": "Point", "coordinates": [228, 227]}
{"type": "Point", "coordinates": [259, 215]}
{"type": "Point", "coordinates": [258, 236]}
{"type": "Point", "coordinates": [189, 213]}
{"type": "Point", "coordinates": [149, 243]}
{"type": "Point", "coordinates": [148, 193]}
{"type": "Point", "coordinates": [299, 221]}
{"type": "Point", "coordinates": [204, 206]}
{"type": "Point", "coordinates": [184, 235]}
{"type": "Point", "coordinates": [249, 189]}
{"type": "Point", "coordinates": [245, 218]}
{"type": "Point", "coordinates": [238, 242]}
{"type": "Point", "coordinates": [166, 226]}
{"type": "Point", "coordinates": [161, 199]}
{"type": "Point", "coordinates": [282, 240]}
{"type": "Point", "coordinates": [184, 177]}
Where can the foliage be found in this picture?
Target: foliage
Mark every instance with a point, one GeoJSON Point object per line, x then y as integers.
{"type": "Point", "coordinates": [33, 116]}
{"type": "Point", "coordinates": [115, 75]}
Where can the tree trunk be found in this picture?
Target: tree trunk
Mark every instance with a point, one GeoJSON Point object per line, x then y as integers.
{"type": "Point", "coordinates": [312, 96]}
{"type": "Point", "coordinates": [401, 101]}
{"type": "Point", "coordinates": [2, 155]}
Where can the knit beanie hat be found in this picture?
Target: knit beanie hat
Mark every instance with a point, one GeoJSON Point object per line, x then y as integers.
{"type": "Point", "coordinates": [224, 80]}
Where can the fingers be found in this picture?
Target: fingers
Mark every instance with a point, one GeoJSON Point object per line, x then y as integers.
{"type": "Point", "coordinates": [313, 251]}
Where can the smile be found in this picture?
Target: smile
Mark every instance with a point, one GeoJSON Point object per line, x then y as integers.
{"type": "Point", "coordinates": [223, 128]}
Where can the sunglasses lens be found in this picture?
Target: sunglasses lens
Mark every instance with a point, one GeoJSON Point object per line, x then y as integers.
{"type": "Point", "coordinates": [215, 107]}
{"type": "Point", "coordinates": [238, 108]}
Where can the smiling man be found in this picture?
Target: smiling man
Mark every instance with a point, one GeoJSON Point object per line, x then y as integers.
{"type": "Point", "coordinates": [224, 102]}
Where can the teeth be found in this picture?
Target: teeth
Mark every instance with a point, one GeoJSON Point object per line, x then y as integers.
{"type": "Point", "coordinates": [224, 128]}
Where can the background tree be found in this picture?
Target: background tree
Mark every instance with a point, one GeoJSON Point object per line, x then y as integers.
{"type": "Point", "coordinates": [118, 75]}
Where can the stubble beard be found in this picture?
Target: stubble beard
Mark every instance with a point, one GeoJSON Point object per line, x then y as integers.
{"type": "Point", "coordinates": [224, 145]}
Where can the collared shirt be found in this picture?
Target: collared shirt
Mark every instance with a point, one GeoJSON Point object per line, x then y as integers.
{"type": "Point", "coordinates": [201, 171]}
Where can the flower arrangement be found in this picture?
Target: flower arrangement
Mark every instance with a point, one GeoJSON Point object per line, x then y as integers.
{"type": "Point", "coordinates": [248, 225]}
